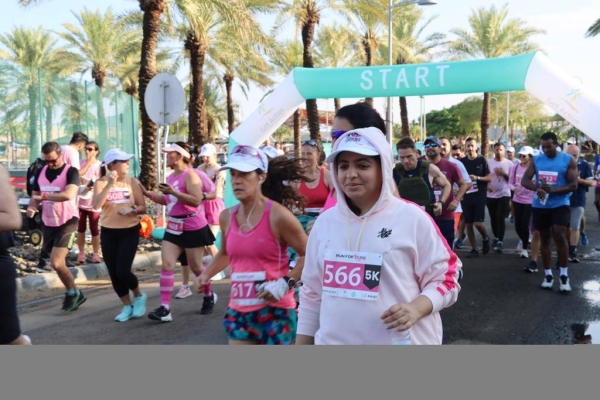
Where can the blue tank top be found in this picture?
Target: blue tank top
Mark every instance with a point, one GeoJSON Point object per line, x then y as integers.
{"type": "Point", "coordinates": [554, 171]}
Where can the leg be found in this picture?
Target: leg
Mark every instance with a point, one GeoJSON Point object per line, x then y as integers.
{"type": "Point", "coordinates": [492, 206]}
{"type": "Point", "coordinates": [10, 329]}
{"type": "Point", "coordinates": [169, 253]}
{"type": "Point", "coordinates": [110, 249]}
{"type": "Point", "coordinates": [81, 235]}
{"type": "Point", "coordinates": [94, 218]}
{"type": "Point", "coordinates": [184, 290]}
{"type": "Point", "coordinates": [63, 242]}
{"type": "Point", "coordinates": [504, 208]}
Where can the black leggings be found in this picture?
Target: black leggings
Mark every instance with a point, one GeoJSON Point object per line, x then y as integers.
{"type": "Point", "coordinates": [497, 209]}
{"type": "Point", "coordinates": [119, 247]}
{"type": "Point", "coordinates": [522, 219]}
{"type": "Point", "coordinates": [10, 329]}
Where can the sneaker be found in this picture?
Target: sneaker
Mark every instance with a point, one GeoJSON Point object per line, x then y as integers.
{"type": "Point", "coordinates": [512, 219]}
{"type": "Point", "coordinates": [486, 246]}
{"type": "Point", "coordinates": [564, 284]}
{"type": "Point", "coordinates": [125, 314]}
{"type": "Point", "coordinates": [495, 244]}
{"type": "Point", "coordinates": [473, 254]}
{"type": "Point", "coordinates": [499, 248]}
{"type": "Point", "coordinates": [81, 258]}
{"type": "Point", "coordinates": [458, 244]}
{"type": "Point", "coordinates": [209, 304]}
{"type": "Point", "coordinates": [161, 314]}
{"type": "Point", "coordinates": [139, 306]}
{"type": "Point", "coordinates": [573, 258]}
{"type": "Point", "coordinates": [524, 254]}
{"type": "Point", "coordinates": [460, 275]}
{"type": "Point", "coordinates": [520, 245]}
{"type": "Point", "coordinates": [96, 258]}
{"type": "Point", "coordinates": [531, 268]}
{"type": "Point", "coordinates": [221, 275]}
{"type": "Point", "coordinates": [184, 291]}
{"type": "Point", "coordinates": [548, 282]}
{"type": "Point", "coordinates": [584, 239]}
{"type": "Point", "coordinates": [72, 302]}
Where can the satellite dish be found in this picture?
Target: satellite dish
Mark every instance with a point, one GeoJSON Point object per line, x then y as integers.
{"type": "Point", "coordinates": [494, 132]}
{"type": "Point", "coordinates": [164, 99]}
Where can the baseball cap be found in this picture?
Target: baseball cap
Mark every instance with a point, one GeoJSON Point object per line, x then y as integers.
{"type": "Point", "coordinates": [526, 150]}
{"type": "Point", "coordinates": [247, 159]}
{"type": "Point", "coordinates": [511, 149]}
{"type": "Point", "coordinates": [207, 149]}
{"type": "Point", "coordinates": [116, 155]}
{"type": "Point", "coordinates": [270, 151]}
{"type": "Point", "coordinates": [433, 139]}
{"type": "Point", "coordinates": [355, 141]}
{"type": "Point", "coordinates": [174, 147]}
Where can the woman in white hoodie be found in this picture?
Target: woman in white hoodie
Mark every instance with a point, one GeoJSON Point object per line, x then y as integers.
{"type": "Point", "coordinates": [374, 263]}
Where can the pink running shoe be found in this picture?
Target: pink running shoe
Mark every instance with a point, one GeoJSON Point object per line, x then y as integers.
{"type": "Point", "coordinates": [96, 258]}
{"type": "Point", "coordinates": [81, 257]}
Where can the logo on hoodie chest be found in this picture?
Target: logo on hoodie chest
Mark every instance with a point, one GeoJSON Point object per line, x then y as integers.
{"type": "Point", "coordinates": [384, 233]}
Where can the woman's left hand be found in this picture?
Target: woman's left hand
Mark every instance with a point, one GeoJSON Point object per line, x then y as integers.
{"type": "Point", "coordinates": [401, 316]}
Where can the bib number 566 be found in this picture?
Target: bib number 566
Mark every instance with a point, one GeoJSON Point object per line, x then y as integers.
{"type": "Point", "coordinates": [341, 276]}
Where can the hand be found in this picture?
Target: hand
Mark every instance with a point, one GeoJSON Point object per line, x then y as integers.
{"type": "Point", "coordinates": [541, 194]}
{"type": "Point", "coordinates": [437, 208]}
{"type": "Point", "coordinates": [88, 188]}
{"type": "Point", "coordinates": [166, 188]}
{"type": "Point", "coordinates": [200, 283]}
{"type": "Point", "coordinates": [546, 188]}
{"type": "Point", "coordinates": [453, 205]}
{"type": "Point", "coordinates": [83, 181]}
{"type": "Point", "coordinates": [31, 212]}
{"type": "Point", "coordinates": [517, 189]}
{"type": "Point", "coordinates": [37, 197]}
{"type": "Point", "coordinates": [489, 189]}
{"type": "Point", "coordinates": [273, 291]}
{"type": "Point", "coordinates": [124, 210]}
{"type": "Point", "coordinates": [111, 177]}
{"type": "Point", "coordinates": [400, 316]}
{"type": "Point", "coordinates": [500, 172]}
{"type": "Point", "coordinates": [473, 177]}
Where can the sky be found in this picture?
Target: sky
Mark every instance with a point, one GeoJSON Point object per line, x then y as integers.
{"type": "Point", "coordinates": [565, 23]}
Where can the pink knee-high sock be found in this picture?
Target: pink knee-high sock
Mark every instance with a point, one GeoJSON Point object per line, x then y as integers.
{"type": "Point", "coordinates": [207, 290]}
{"type": "Point", "coordinates": [166, 282]}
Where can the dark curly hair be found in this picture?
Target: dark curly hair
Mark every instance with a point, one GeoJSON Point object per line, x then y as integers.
{"type": "Point", "coordinates": [283, 169]}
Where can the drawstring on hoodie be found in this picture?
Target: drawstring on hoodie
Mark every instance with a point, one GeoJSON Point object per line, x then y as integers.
{"type": "Point", "coordinates": [360, 233]}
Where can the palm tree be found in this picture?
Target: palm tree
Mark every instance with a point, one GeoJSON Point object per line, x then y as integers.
{"type": "Point", "coordinates": [307, 14]}
{"type": "Point", "coordinates": [593, 30]}
{"type": "Point", "coordinates": [335, 47]}
{"type": "Point", "coordinates": [493, 35]}
{"type": "Point", "coordinates": [96, 46]}
{"type": "Point", "coordinates": [32, 49]}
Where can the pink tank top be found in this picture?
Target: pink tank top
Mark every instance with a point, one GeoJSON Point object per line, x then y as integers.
{"type": "Point", "coordinates": [193, 217]}
{"type": "Point", "coordinates": [56, 213]}
{"type": "Point", "coordinates": [254, 253]}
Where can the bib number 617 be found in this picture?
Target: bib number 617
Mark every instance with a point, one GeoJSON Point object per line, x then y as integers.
{"type": "Point", "coordinates": [341, 276]}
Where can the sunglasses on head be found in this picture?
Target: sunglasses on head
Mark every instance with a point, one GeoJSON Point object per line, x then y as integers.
{"type": "Point", "coordinates": [428, 145]}
{"type": "Point", "coordinates": [310, 143]}
{"type": "Point", "coordinates": [337, 134]}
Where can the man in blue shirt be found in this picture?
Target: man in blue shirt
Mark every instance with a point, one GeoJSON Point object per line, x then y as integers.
{"type": "Point", "coordinates": [552, 176]}
{"type": "Point", "coordinates": [585, 181]}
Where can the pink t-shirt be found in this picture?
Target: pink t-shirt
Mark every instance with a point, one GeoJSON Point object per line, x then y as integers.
{"type": "Point", "coordinates": [93, 172]}
{"type": "Point", "coordinates": [522, 195]}
{"type": "Point", "coordinates": [498, 184]}
{"type": "Point", "coordinates": [70, 156]}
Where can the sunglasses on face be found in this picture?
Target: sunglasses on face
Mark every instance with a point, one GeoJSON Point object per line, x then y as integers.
{"type": "Point", "coordinates": [52, 162]}
{"type": "Point", "coordinates": [90, 149]}
{"type": "Point", "coordinates": [428, 145]}
{"type": "Point", "coordinates": [310, 143]}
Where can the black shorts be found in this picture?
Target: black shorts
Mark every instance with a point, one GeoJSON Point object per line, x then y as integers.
{"type": "Point", "coordinates": [545, 218]}
{"type": "Point", "coordinates": [473, 213]}
{"type": "Point", "coordinates": [192, 239]}
{"type": "Point", "coordinates": [60, 236]}
{"type": "Point", "coordinates": [9, 319]}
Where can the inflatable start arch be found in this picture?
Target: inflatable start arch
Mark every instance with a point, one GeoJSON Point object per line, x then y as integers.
{"type": "Point", "coordinates": [532, 72]}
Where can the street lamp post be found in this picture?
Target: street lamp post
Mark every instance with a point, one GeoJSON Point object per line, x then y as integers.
{"type": "Point", "coordinates": [389, 133]}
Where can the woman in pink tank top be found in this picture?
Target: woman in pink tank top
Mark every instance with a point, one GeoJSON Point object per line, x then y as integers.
{"type": "Point", "coordinates": [187, 229]}
{"type": "Point", "coordinates": [257, 234]}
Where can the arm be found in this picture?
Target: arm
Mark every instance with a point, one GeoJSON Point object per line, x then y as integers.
{"type": "Point", "coordinates": [572, 175]}
{"type": "Point", "coordinates": [221, 260]}
{"type": "Point", "coordinates": [194, 187]}
{"type": "Point", "coordinates": [589, 180]}
{"type": "Point", "coordinates": [10, 215]}
{"type": "Point", "coordinates": [71, 190]}
{"type": "Point", "coordinates": [526, 181]}
{"type": "Point", "coordinates": [511, 177]}
{"type": "Point", "coordinates": [440, 180]}
{"type": "Point", "coordinates": [328, 180]}
{"type": "Point", "coordinates": [287, 228]}
{"type": "Point", "coordinates": [138, 196]}
{"type": "Point", "coordinates": [155, 197]}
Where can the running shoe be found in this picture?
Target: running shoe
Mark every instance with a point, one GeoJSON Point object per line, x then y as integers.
{"type": "Point", "coordinates": [520, 245]}
{"type": "Point", "coordinates": [531, 268]}
{"type": "Point", "coordinates": [495, 244]}
{"type": "Point", "coordinates": [564, 284]}
{"type": "Point", "coordinates": [161, 314]}
{"type": "Point", "coordinates": [208, 305]}
{"type": "Point", "coordinates": [524, 254]}
{"type": "Point", "coordinates": [573, 258]}
{"type": "Point", "coordinates": [125, 315]}
{"type": "Point", "coordinates": [73, 301]}
{"type": "Point", "coordinates": [139, 306]}
{"type": "Point", "coordinates": [458, 244]}
{"type": "Point", "coordinates": [473, 254]}
{"type": "Point", "coordinates": [499, 248]}
{"type": "Point", "coordinates": [96, 258]}
{"type": "Point", "coordinates": [584, 239]}
{"type": "Point", "coordinates": [512, 219]}
{"type": "Point", "coordinates": [548, 282]}
{"type": "Point", "coordinates": [81, 258]}
{"type": "Point", "coordinates": [486, 246]}
{"type": "Point", "coordinates": [184, 291]}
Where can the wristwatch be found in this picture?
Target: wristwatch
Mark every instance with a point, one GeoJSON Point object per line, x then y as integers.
{"type": "Point", "coordinates": [290, 281]}
{"type": "Point", "coordinates": [203, 196]}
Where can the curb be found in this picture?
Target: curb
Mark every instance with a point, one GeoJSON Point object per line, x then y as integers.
{"type": "Point", "coordinates": [86, 273]}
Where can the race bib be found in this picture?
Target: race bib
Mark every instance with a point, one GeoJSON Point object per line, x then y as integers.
{"type": "Point", "coordinates": [551, 177]}
{"type": "Point", "coordinates": [46, 190]}
{"type": "Point", "coordinates": [474, 188]}
{"type": "Point", "coordinates": [518, 179]}
{"type": "Point", "coordinates": [118, 196]}
{"type": "Point", "coordinates": [244, 287]}
{"type": "Point", "coordinates": [174, 226]}
{"type": "Point", "coordinates": [353, 275]}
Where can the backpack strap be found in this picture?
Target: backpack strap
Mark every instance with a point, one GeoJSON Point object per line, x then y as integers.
{"type": "Point", "coordinates": [424, 168]}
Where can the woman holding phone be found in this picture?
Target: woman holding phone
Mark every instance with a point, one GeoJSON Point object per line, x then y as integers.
{"type": "Point", "coordinates": [120, 200]}
{"type": "Point", "coordinates": [187, 229]}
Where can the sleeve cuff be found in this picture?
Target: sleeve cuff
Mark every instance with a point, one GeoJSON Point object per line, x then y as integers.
{"type": "Point", "coordinates": [435, 297]}
{"type": "Point", "coordinates": [308, 322]}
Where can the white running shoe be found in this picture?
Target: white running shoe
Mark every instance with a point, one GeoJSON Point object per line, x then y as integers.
{"type": "Point", "coordinates": [520, 245]}
{"type": "Point", "coordinates": [524, 254]}
{"type": "Point", "coordinates": [548, 282]}
{"type": "Point", "coordinates": [564, 284]}
{"type": "Point", "coordinates": [184, 291]}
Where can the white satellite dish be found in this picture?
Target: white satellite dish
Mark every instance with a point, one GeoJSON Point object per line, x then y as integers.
{"type": "Point", "coordinates": [164, 99]}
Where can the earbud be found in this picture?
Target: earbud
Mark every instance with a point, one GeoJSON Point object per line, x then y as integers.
{"type": "Point", "coordinates": [260, 180]}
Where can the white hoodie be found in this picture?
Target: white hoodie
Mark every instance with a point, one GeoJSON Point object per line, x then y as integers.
{"type": "Point", "coordinates": [416, 261]}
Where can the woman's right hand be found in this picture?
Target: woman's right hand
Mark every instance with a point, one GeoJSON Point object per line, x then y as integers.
{"type": "Point", "coordinates": [200, 282]}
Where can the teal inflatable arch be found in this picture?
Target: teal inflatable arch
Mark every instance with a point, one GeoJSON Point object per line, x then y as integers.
{"type": "Point", "coordinates": [532, 72]}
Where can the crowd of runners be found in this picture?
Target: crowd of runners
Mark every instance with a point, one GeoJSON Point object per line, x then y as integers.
{"type": "Point", "coordinates": [342, 248]}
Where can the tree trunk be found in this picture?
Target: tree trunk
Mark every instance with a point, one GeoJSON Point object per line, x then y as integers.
{"type": "Point", "coordinates": [297, 135]}
{"type": "Point", "coordinates": [197, 124]}
{"type": "Point", "coordinates": [404, 117]}
{"type": "Point", "coordinates": [485, 124]}
{"type": "Point", "coordinates": [210, 126]}
{"type": "Point", "coordinates": [34, 138]}
{"type": "Point", "coordinates": [228, 78]}
{"type": "Point", "coordinates": [312, 112]}
{"type": "Point", "coordinates": [76, 111]}
{"type": "Point", "coordinates": [337, 104]}
{"type": "Point", "coordinates": [49, 117]}
{"type": "Point", "coordinates": [102, 134]}
{"type": "Point", "coordinates": [368, 60]}
{"type": "Point", "coordinates": [152, 10]}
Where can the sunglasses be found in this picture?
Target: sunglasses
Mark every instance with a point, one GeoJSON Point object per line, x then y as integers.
{"type": "Point", "coordinates": [522, 155]}
{"type": "Point", "coordinates": [428, 145]}
{"type": "Point", "coordinates": [337, 134]}
{"type": "Point", "coordinates": [52, 162]}
{"type": "Point", "coordinates": [90, 149]}
{"type": "Point", "coordinates": [247, 150]}
{"type": "Point", "coordinates": [310, 143]}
